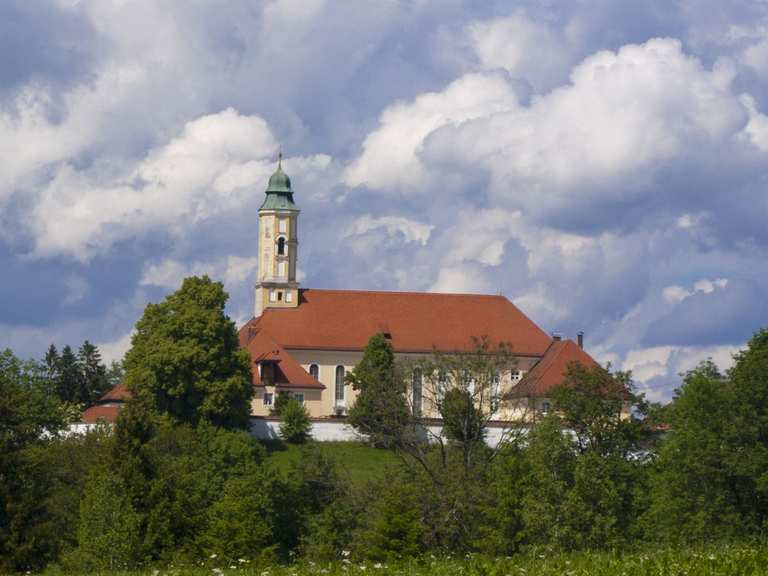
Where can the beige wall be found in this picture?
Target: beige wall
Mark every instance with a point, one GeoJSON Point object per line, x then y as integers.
{"type": "Point", "coordinates": [322, 404]}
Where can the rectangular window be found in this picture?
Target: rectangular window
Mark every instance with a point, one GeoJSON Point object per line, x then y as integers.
{"type": "Point", "coordinates": [272, 296]}
{"type": "Point", "coordinates": [416, 388]}
{"type": "Point", "coordinates": [268, 397]}
{"type": "Point", "coordinates": [281, 269]}
{"type": "Point", "coordinates": [299, 397]}
{"type": "Point", "coordinates": [289, 296]}
{"type": "Point", "coordinates": [282, 225]}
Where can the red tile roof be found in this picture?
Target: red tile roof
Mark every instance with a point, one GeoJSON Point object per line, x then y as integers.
{"type": "Point", "coordinates": [551, 370]}
{"type": "Point", "coordinates": [417, 322]}
{"type": "Point", "coordinates": [118, 393]}
{"type": "Point", "coordinates": [288, 372]}
{"type": "Point", "coordinates": [98, 413]}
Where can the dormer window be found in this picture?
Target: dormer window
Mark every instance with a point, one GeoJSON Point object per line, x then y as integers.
{"type": "Point", "coordinates": [268, 373]}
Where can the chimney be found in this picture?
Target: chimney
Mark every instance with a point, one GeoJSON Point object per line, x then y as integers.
{"type": "Point", "coordinates": [580, 338]}
{"type": "Point", "coordinates": [556, 336]}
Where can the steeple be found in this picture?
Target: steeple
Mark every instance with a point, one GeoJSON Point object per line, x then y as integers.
{"type": "Point", "coordinates": [276, 285]}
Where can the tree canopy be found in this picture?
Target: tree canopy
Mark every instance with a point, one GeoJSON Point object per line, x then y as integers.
{"type": "Point", "coordinates": [185, 358]}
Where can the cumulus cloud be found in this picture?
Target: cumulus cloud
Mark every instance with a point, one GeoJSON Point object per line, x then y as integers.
{"type": "Point", "coordinates": [390, 157]}
{"type": "Point", "coordinates": [525, 48]}
{"type": "Point", "coordinates": [603, 168]}
{"type": "Point", "coordinates": [409, 230]}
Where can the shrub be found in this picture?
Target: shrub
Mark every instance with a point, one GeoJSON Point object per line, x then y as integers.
{"type": "Point", "coordinates": [296, 425]}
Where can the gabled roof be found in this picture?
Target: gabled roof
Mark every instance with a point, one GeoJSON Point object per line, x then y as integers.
{"type": "Point", "coordinates": [551, 370]}
{"type": "Point", "coordinates": [98, 413]}
{"type": "Point", "coordinates": [288, 372]}
{"type": "Point", "coordinates": [416, 321]}
{"type": "Point", "coordinates": [118, 393]}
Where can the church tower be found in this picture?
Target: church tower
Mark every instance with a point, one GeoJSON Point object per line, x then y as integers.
{"type": "Point", "coordinates": [276, 285]}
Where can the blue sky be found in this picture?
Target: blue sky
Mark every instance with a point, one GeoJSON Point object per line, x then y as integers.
{"type": "Point", "coordinates": [601, 163]}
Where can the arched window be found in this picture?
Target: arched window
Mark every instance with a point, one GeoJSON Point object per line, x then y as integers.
{"type": "Point", "coordinates": [281, 246]}
{"type": "Point", "coordinates": [339, 384]}
{"type": "Point", "coordinates": [416, 390]}
{"type": "Point", "coordinates": [314, 371]}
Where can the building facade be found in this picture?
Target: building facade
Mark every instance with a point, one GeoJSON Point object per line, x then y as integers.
{"type": "Point", "coordinates": [304, 341]}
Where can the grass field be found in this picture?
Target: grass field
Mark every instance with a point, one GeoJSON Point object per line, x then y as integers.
{"type": "Point", "coordinates": [355, 461]}
{"type": "Point", "coordinates": [719, 561]}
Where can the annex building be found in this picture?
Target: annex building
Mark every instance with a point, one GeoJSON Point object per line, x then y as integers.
{"type": "Point", "coordinates": [303, 341]}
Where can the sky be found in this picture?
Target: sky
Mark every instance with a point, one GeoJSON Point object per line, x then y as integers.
{"type": "Point", "coordinates": [603, 164]}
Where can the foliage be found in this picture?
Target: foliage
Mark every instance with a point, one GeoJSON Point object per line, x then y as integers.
{"type": "Point", "coordinates": [79, 379]}
{"type": "Point", "coordinates": [28, 415]}
{"type": "Point", "coordinates": [185, 358]}
{"type": "Point", "coordinates": [380, 411]}
{"type": "Point", "coordinates": [462, 420]}
{"type": "Point", "coordinates": [694, 491]}
{"type": "Point", "coordinates": [590, 402]}
{"type": "Point", "coordinates": [295, 425]}
{"type": "Point", "coordinates": [242, 522]}
{"type": "Point", "coordinates": [393, 526]}
{"type": "Point", "coordinates": [108, 531]}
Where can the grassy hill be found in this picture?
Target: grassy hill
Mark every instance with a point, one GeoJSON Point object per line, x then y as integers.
{"type": "Point", "coordinates": [355, 460]}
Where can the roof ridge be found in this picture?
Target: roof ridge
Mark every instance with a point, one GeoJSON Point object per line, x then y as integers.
{"type": "Point", "coordinates": [401, 292]}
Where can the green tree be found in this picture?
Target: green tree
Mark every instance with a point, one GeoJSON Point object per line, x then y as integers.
{"type": "Point", "coordinates": [600, 409]}
{"type": "Point", "coordinates": [380, 411]}
{"type": "Point", "coordinates": [70, 385]}
{"type": "Point", "coordinates": [748, 431]}
{"type": "Point", "coordinates": [115, 373]}
{"type": "Point", "coordinates": [551, 461]}
{"type": "Point", "coordinates": [393, 526]}
{"type": "Point", "coordinates": [93, 374]}
{"type": "Point", "coordinates": [108, 532]}
{"type": "Point", "coordinates": [241, 523]}
{"type": "Point", "coordinates": [185, 358]}
{"type": "Point", "coordinates": [295, 425]}
{"type": "Point", "coordinates": [694, 492]}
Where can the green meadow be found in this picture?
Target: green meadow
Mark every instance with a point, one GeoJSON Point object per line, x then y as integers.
{"type": "Point", "coordinates": [715, 561]}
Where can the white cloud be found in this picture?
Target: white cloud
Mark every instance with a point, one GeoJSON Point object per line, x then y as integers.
{"type": "Point", "coordinates": [389, 158]}
{"type": "Point", "coordinates": [409, 230]}
{"type": "Point", "coordinates": [211, 168]}
{"type": "Point", "coordinates": [677, 293]}
{"type": "Point", "coordinates": [524, 47]}
{"type": "Point", "coordinates": [169, 273]}
{"type": "Point", "coordinates": [30, 138]}
{"type": "Point", "coordinates": [115, 350]}
{"type": "Point", "coordinates": [461, 279]}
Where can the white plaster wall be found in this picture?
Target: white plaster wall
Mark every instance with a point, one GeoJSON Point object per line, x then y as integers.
{"type": "Point", "coordinates": [340, 431]}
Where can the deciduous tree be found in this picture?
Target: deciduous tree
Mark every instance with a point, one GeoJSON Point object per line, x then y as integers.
{"type": "Point", "coordinates": [185, 357]}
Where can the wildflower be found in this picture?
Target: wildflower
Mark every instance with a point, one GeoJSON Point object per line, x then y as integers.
{"type": "Point", "coordinates": [377, 565]}
{"type": "Point", "coordinates": [345, 553]}
{"type": "Point", "coordinates": [213, 555]}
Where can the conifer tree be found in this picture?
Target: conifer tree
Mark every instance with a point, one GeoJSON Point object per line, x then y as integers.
{"type": "Point", "coordinates": [70, 384]}
{"type": "Point", "coordinates": [93, 374]}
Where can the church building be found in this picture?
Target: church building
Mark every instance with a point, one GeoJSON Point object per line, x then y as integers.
{"type": "Point", "coordinates": [303, 341]}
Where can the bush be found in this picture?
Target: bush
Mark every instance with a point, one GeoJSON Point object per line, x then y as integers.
{"type": "Point", "coordinates": [108, 532]}
{"type": "Point", "coordinates": [296, 425]}
{"type": "Point", "coordinates": [241, 523]}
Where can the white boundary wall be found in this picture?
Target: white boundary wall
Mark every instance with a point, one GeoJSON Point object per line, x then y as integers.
{"type": "Point", "coordinates": [340, 431]}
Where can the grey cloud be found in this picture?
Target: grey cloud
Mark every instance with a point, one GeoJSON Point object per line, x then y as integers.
{"type": "Point", "coordinates": [724, 316]}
